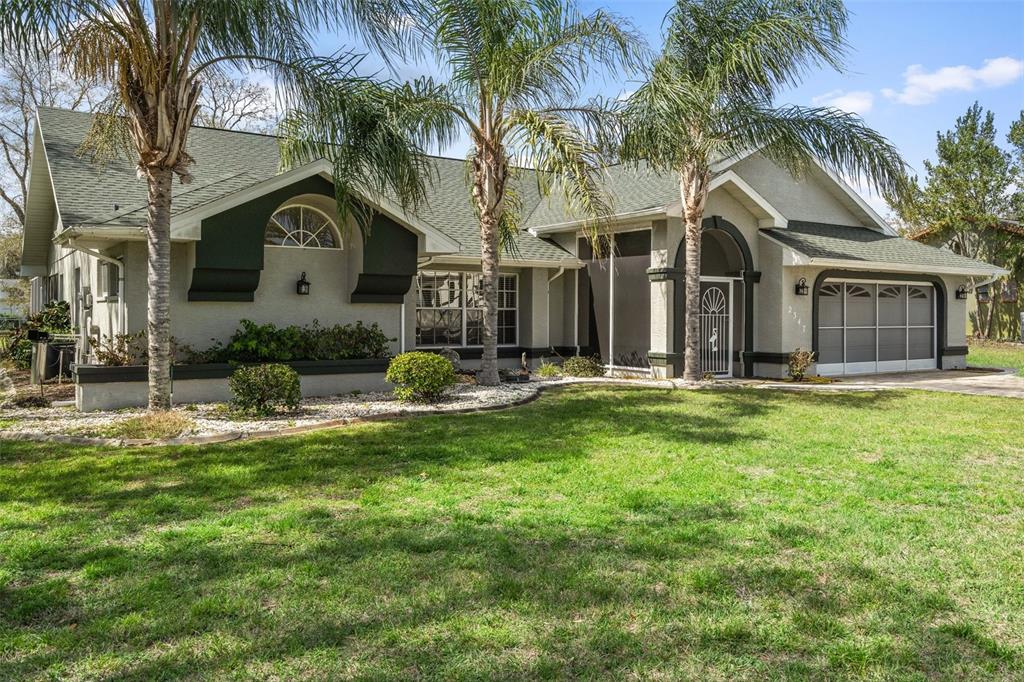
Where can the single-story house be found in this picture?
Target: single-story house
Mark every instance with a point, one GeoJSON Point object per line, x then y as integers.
{"type": "Point", "coordinates": [787, 262]}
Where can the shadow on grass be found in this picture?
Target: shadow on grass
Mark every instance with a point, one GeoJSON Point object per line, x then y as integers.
{"type": "Point", "coordinates": [446, 547]}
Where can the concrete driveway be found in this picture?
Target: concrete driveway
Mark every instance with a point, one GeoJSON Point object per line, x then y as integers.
{"type": "Point", "coordinates": [997, 382]}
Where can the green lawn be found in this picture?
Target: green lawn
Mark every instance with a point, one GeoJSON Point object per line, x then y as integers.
{"type": "Point", "coordinates": [596, 532]}
{"type": "Point", "coordinates": [986, 354]}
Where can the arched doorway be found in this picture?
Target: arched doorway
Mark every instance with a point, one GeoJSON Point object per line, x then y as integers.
{"type": "Point", "coordinates": [726, 299]}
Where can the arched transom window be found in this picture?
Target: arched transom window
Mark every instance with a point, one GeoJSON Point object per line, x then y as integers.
{"type": "Point", "coordinates": [301, 226]}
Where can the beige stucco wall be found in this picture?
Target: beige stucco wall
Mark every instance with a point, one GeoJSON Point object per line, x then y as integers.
{"type": "Point", "coordinates": [796, 198]}
{"type": "Point", "coordinates": [102, 318]}
{"type": "Point", "coordinates": [331, 274]}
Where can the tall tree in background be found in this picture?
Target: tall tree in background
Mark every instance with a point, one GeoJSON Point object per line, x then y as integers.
{"type": "Point", "coordinates": [1016, 139]}
{"type": "Point", "coordinates": [968, 197]}
{"type": "Point", "coordinates": [154, 55]}
{"type": "Point", "coordinates": [515, 68]}
{"type": "Point", "coordinates": [27, 83]}
{"type": "Point", "coordinates": [236, 103]}
{"type": "Point", "coordinates": [710, 95]}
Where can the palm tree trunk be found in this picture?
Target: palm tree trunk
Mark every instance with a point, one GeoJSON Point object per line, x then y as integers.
{"type": "Point", "coordinates": [158, 326]}
{"type": "Point", "coordinates": [693, 188]}
{"type": "Point", "coordinates": [488, 191]}
{"type": "Point", "coordinates": [489, 245]}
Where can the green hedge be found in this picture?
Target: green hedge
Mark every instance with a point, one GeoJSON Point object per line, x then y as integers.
{"type": "Point", "coordinates": [264, 389]}
{"type": "Point", "coordinates": [253, 342]}
{"type": "Point", "coordinates": [421, 377]}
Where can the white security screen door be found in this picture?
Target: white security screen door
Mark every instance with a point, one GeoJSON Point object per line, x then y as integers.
{"type": "Point", "coordinates": [868, 327]}
{"type": "Point", "coordinates": [716, 327]}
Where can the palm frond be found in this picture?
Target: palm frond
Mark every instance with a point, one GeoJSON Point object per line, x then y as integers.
{"type": "Point", "coordinates": [794, 136]}
{"type": "Point", "coordinates": [567, 162]}
{"type": "Point", "coordinates": [373, 134]}
{"type": "Point", "coordinates": [109, 136]}
{"type": "Point", "coordinates": [756, 47]}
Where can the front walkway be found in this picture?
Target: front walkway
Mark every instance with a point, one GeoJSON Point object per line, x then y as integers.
{"type": "Point", "coordinates": [993, 382]}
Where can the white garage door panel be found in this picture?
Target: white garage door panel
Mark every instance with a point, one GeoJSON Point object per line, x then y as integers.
{"type": "Point", "coordinates": [867, 327]}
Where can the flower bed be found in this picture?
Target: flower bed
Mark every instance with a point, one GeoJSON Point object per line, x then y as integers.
{"type": "Point", "coordinates": [220, 418]}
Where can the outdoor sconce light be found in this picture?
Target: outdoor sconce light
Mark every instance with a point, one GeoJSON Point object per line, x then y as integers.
{"type": "Point", "coordinates": [302, 286]}
{"type": "Point", "coordinates": [801, 287]}
{"type": "Point", "coordinates": [961, 293]}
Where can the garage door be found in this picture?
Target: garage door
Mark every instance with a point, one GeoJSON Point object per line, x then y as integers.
{"type": "Point", "coordinates": [868, 327]}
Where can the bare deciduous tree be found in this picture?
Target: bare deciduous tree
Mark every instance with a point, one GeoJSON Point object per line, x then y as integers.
{"type": "Point", "coordinates": [236, 104]}
{"type": "Point", "coordinates": [25, 85]}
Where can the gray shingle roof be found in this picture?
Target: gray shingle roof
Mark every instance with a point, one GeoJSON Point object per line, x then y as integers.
{"type": "Point", "coordinates": [229, 161]}
{"type": "Point", "coordinates": [837, 242]}
{"type": "Point", "coordinates": [631, 190]}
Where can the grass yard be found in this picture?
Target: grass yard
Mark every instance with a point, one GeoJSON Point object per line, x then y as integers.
{"type": "Point", "coordinates": [596, 532]}
{"type": "Point", "coordinates": [993, 354]}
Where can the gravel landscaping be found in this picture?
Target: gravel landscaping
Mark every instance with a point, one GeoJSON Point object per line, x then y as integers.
{"type": "Point", "coordinates": [218, 418]}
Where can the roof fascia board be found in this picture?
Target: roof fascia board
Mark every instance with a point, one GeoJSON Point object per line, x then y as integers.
{"type": "Point", "coordinates": [39, 156]}
{"type": "Point", "coordinates": [567, 262]}
{"type": "Point", "coordinates": [771, 216]}
{"type": "Point", "coordinates": [186, 225]}
{"type": "Point", "coordinates": [897, 267]}
{"type": "Point", "coordinates": [652, 213]}
{"type": "Point", "coordinates": [791, 258]}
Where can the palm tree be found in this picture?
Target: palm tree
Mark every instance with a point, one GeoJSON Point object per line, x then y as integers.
{"type": "Point", "coordinates": [515, 68]}
{"type": "Point", "coordinates": [710, 95]}
{"type": "Point", "coordinates": [155, 54]}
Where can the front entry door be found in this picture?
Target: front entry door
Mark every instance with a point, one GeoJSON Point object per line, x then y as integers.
{"type": "Point", "coordinates": [716, 327]}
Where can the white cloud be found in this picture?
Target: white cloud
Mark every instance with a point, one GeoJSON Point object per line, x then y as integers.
{"type": "Point", "coordinates": [856, 101]}
{"type": "Point", "coordinates": [923, 87]}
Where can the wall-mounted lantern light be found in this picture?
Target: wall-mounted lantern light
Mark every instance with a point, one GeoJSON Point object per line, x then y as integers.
{"type": "Point", "coordinates": [961, 293]}
{"type": "Point", "coordinates": [302, 286]}
{"type": "Point", "coordinates": [801, 287]}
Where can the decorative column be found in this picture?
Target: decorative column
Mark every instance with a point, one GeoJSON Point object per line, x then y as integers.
{"type": "Point", "coordinates": [665, 359]}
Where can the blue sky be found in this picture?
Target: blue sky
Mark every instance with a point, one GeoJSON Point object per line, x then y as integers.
{"type": "Point", "coordinates": [912, 68]}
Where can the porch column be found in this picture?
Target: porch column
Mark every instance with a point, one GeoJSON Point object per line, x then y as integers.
{"type": "Point", "coordinates": [539, 336]}
{"type": "Point", "coordinates": [662, 353]}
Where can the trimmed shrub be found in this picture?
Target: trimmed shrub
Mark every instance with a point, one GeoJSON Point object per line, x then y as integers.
{"type": "Point", "coordinates": [799, 362]}
{"type": "Point", "coordinates": [264, 389]}
{"type": "Point", "coordinates": [580, 366]}
{"type": "Point", "coordinates": [420, 377]}
{"type": "Point", "coordinates": [549, 370]}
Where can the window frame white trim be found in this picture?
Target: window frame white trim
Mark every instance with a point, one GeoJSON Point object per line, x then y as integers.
{"type": "Point", "coordinates": [330, 223]}
{"type": "Point", "coordinates": [463, 308]}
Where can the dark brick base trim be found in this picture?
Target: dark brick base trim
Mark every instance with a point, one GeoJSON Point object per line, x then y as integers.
{"type": "Point", "coordinates": [769, 358]}
{"type": "Point", "coordinates": [98, 374]}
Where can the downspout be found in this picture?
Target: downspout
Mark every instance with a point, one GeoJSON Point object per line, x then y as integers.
{"type": "Point", "coordinates": [401, 329]}
{"type": "Point", "coordinates": [122, 310]}
{"type": "Point", "coordinates": [576, 313]}
{"type": "Point", "coordinates": [611, 304]}
{"type": "Point", "coordinates": [551, 279]}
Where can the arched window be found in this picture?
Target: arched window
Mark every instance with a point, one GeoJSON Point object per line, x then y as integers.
{"type": "Point", "coordinates": [301, 226]}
